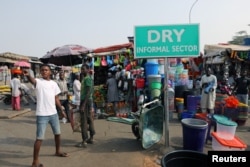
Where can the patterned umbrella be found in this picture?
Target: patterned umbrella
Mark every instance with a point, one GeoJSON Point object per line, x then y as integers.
{"type": "Point", "coordinates": [22, 64]}
{"type": "Point", "coordinates": [66, 55]}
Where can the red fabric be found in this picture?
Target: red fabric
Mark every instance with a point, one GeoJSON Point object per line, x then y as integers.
{"type": "Point", "coordinates": [15, 102]}
{"type": "Point", "coordinates": [113, 48]}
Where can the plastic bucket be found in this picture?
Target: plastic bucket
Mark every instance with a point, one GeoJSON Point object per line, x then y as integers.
{"type": "Point", "coordinates": [151, 68]}
{"type": "Point", "coordinates": [155, 85]}
{"type": "Point", "coordinates": [140, 82]}
{"type": "Point", "coordinates": [155, 93]}
{"type": "Point", "coordinates": [191, 103]}
{"type": "Point", "coordinates": [194, 133]}
{"type": "Point", "coordinates": [187, 114]}
{"type": "Point", "coordinates": [154, 78]}
{"type": "Point", "coordinates": [161, 69]}
{"type": "Point", "coordinates": [184, 158]}
{"type": "Point", "coordinates": [155, 61]}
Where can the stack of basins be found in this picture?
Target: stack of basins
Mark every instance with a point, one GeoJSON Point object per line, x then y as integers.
{"type": "Point", "coordinates": [179, 103]}
{"type": "Point", "coordinates": [224, 138]}
{"type": "Point", "coordinates": [154, 84]}
{"type": "Point", "coordinates": [153, 78]}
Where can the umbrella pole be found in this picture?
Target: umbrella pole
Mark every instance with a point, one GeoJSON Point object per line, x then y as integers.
{"type": "Point", "coordinates": [70, 61]}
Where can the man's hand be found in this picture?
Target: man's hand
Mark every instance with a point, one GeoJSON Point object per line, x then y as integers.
{"type": "Point", "coordinates": [82, 108]}
{"type": "Point", "coordinates": [204, 85]}
{"type": "Point", "coordinates": [25, 72]}
{"type": "Point", "coordinates": [63, 112]}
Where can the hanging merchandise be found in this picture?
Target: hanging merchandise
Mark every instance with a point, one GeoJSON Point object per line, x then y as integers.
{"type": "Point", "coordinates": [104, 62]}
{"type": "Point", "coordinates": [121, 58]}
{"type": "Point", "coordinates": [125, 85]}
{"type": "Point", "coordinates": [116, 59]}
{"type": "Point", "coordinates": [109, 60]}
{"type": "Point", "coordinates": [97, 62]}
{"type": "Point", "coordinates": [126, 61]}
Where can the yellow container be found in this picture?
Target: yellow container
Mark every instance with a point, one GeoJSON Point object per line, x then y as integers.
{"type": "Point", "coordinates": [180, 100]}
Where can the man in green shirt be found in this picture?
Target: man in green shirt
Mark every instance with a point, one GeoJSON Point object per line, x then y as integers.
{"type": "Point", "coordinates": [86, 105]}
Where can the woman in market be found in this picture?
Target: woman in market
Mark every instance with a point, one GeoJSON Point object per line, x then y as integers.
{"type": "Point", "coordinates": [15, 85]}
{"type": "Point", "coordinates": [112, 94]}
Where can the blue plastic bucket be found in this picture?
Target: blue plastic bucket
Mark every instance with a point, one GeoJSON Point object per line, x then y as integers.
{"type": "Point", "coordinates": [187, 114]}
{"type": "Point", "coordinates": [191, 103]}
{"type": "Point", "coordinates": [194, 133]}
{"type": "Point", "coordinates": [151, 69]}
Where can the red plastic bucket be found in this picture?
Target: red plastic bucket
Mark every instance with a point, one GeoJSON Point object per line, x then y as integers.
{"type": "Point", "coordinates": [139, 82]}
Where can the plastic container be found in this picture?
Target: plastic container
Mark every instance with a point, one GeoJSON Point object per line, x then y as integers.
{"type": "Point", "coordinates": [155, 61]}
{"type": "Point", "coordinates": [225, 127]}
{"type": "Point", "coordinates": [155, 85]}
{"type": "Point", "coordinates": [194, 133]}
{"type": "Point", "coordinates": [153, 78]}
{"type": "Point", "coordinates": [155, 93]}
{"type": "Point", "coordinates": [184, 158]}
{"type": "Point", "coordinates": [187, 114]}
{"type": "Point", "coordinates": [161, 69]}
{"type": "Point", "coordinates": [192, 103]}
{"type": "Point", "coordinates": [139, 82]}
{"type": "Point", "coordinates": [152, 68]}
{"type": "Point", "coordinates": [179, 107]}
{"type": "Point", "coordinates": [220, 144]}
{"type": "Point", "coordinates": [179, 100]}
{"type": "Point", "coordinates": [16, 71]}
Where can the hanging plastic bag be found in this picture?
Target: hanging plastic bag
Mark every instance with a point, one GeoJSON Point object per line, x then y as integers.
{"type": "Point", "coordinates": [125, 85]}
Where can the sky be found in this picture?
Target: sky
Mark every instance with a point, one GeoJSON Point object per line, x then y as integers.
{"type": "Point", "coordinates": [33, 27]}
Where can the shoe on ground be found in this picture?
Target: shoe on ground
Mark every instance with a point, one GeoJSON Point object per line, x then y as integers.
{"type": "Point", "coordinates": [90, 141]}
{"type": "Point", "coordinates": [82, 145]}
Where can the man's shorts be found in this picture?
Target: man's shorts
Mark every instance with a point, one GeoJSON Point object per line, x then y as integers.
{"type": "Point", "coordinates": [42, 122]}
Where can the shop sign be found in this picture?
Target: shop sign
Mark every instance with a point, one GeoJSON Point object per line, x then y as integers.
{"type": "Point", "coordinates": [166, 41]}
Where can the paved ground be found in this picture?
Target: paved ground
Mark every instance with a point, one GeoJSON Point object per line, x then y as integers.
{"type": "Point", "coordinates": [115, 145]}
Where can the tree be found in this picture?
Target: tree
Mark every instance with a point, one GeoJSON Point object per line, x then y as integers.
{"type": "Point", "coordinates": [238, 39]}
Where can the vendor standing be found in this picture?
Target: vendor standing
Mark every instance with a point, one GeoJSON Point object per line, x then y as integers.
{"type": "Point", "coordinates": [241, 87]}
{"type": "Point", "coordinates": [208, 94]}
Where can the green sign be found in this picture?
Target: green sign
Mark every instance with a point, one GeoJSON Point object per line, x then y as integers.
{"type": "Point", "coordinates": [166, 41]}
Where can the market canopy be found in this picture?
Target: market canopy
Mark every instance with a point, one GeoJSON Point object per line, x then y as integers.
{"type": "Point", "coordinates": [216, 49]}
{"type": "Point", "coordinates": [111, 50]}
{"type": "Point", "coordinates": [14, 56]}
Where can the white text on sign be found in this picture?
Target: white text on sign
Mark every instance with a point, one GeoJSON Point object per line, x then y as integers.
{"type": "Point", "coordinates": [165, 35]}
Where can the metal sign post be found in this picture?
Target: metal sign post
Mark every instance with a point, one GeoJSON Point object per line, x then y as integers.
{"type": "Point", "coordinates": [166, 105]}
{"type": "Point", "coordinates": [165, 41]}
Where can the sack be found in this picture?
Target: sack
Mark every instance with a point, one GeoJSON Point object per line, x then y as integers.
{"type": "Point", "coordinates": [75, 120]}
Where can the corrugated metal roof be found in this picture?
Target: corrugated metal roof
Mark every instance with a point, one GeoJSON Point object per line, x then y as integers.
{"type": "Point", "coordinates": [6, 60]}
{"type": "Point", "coordinates": [14, 56]}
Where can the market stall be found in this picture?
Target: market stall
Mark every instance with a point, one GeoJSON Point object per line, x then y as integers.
{"type": "Point", "coordinates": [227, 62]}
{"type": "Point", "coordinates": [116, 59]}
